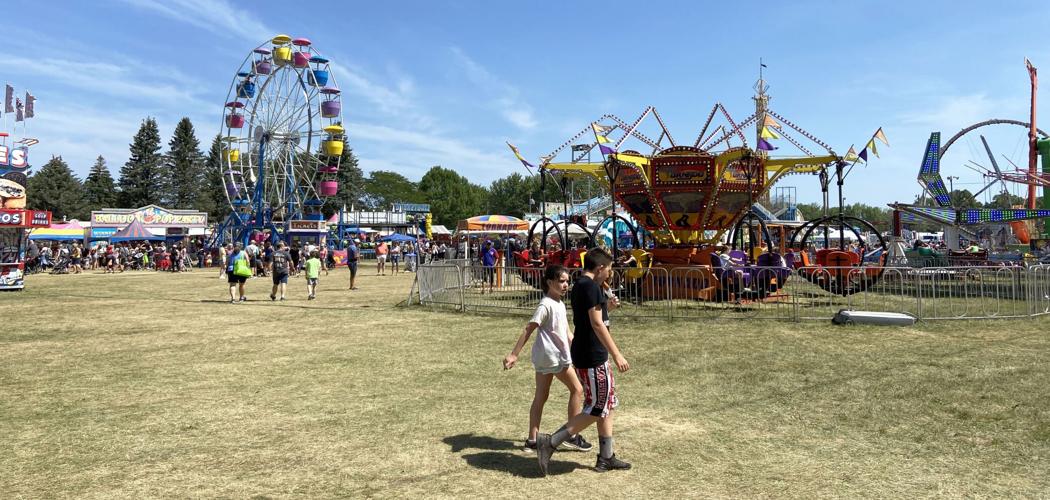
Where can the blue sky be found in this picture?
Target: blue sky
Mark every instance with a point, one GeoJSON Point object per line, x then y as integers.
{"type": "Point", "coordinates": [429, 83]}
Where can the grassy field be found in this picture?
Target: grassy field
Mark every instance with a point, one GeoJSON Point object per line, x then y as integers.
{"type": "Point", "coordinates": [145, 385]}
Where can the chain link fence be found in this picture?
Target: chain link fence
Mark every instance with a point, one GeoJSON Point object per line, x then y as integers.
{"type": "Point", "coordinates": [767, 293]}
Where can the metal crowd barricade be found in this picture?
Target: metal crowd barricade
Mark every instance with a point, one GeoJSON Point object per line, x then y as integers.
{"type": "Point", "coordinates": [687, 292]}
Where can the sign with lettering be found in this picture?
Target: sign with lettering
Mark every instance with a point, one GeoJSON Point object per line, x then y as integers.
{"type": "Point", "coordinates": [16, 159]}
{"type": "Point", "coordinates": [24, 218]}
{"type": "Point", "coordinates": [149, 216]}
{"type": "Point", "coordinates": [307, 226]}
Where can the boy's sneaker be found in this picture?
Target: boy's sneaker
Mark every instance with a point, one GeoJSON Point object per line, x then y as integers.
{"type": "Point", "coordinates": [611, 463]}
{"type": "Point", "coordinates": [273, 297]}
{"type": "Point", "coordinates": [577, 443]}
{"type": "Point", "coordinates": [530, 445]}
{"type": "Point", "coordinates": [544, 450]}
{"type": "Point", "coordinates": [244, 299]}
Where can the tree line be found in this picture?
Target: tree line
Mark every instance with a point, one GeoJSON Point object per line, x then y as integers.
{"type": "Point", "coordinates": [183, 177]}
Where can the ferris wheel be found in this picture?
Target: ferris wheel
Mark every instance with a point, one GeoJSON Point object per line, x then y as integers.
{"type": "Point", "coordinates": [284, 135]}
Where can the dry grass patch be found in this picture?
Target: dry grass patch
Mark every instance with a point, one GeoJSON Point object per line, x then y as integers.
{"type": "Point", "coordinates": [147, 384]}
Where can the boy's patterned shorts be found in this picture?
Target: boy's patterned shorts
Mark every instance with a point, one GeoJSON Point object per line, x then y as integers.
{"type": "Point", "coordinates": [599, 390]}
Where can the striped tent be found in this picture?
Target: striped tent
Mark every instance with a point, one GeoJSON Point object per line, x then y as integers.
{"type": "Point", "coordinates": [59, 231]}
{"type": "Point", "coordinates": [134, 231]}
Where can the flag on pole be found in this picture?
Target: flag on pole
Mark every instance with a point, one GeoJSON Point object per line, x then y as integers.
{"type": "Point", "coordinates": [18, 110]}
{"type": "Point", "coordinates": [851, 155]}
{"type": "Point", "coordinates": [880, 135]}
{"type": "Point", "coordinates": [599, 135]}
{"type": "Point", "coordinates": [871, 146]}
{"type": "Point", "coordinates": [768, 134]}
{"type": "Point", "coordinates": [764, 145]}
{"type": "Point", "coordinates": [863, 155]}
{"type": "Point", "coordinates": [9, 100]}
{"type": "Point", "coordinates": [29, 104]}
{"type": "Point", "coordinates": [520, 158]}
{"type": "Point", "coordinates": [768, 121]}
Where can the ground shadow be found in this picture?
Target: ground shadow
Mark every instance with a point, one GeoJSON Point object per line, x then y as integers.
{"type": "Point", "coordinates": [499, 456]}
{"type": "Point", "coordinates": [518, 465]}
{"type": "Point", "coordinates": [461, 442]}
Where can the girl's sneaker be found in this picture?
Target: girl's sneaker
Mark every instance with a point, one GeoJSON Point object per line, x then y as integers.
{"type": "Point", "coordinates": [577, 443]}
{"type": "Point", "coordinates": [530, 445]}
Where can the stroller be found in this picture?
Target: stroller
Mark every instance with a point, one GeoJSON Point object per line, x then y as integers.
{"type": "Point", "coordinates": [61, 266]}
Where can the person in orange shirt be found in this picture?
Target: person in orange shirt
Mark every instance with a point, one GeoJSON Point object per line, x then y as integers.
{"type": "Point", "coordinates": [381, 252]}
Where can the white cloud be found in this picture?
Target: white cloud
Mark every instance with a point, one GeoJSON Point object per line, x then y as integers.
{"type": "Point", "coordinates": [216, 16]}
{"type": "Point", "coordinates": [505, 98]}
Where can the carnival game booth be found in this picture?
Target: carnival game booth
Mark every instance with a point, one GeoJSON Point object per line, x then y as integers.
{"type": "Point", "coordinates": [158, 221]}
{"type": "Point", "coordinates": [13, 225]}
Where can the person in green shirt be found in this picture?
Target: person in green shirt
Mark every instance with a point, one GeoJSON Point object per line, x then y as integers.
{"type": "Point", "coordinates": [313, 270]}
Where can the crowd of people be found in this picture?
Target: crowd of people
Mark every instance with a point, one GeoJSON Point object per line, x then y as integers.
{"type": "Point", "coordinates": [75, 257]}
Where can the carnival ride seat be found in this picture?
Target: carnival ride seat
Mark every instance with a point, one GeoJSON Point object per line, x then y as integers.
{"type": "Point", "coordinates": [964, 258]}
{"type": "Point", "coordinates": [773, 270]}
{"type": "Point", "coordinates": [731, 280]}
{"type": "Point", "coordinates": [643, 262]}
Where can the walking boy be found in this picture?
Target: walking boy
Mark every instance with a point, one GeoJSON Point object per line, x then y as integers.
{"type": "Point", "coordinates": [313, 270]}
{"type": "Point", "coordinates": [280, 261]}
{"type": "Point", "coordinates": [592, 344]}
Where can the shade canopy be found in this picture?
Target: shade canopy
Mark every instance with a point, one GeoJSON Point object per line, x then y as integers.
{"type": "Point", "coordinates": [59, 231]}
{"type": "Point", "coordinates": [397, 237]}
{"type": "Point", "coordinates": [493, 223]}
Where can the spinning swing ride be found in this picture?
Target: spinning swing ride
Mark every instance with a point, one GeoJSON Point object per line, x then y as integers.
{"type": "Point", "coordinates": [284, 140]}
{"type": "Point", "coordinates": [690, 198]}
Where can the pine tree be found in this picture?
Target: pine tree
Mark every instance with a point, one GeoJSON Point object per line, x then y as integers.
{"type": "Point", "coordinates": [184, 168]}
{"type": "Point", "coordinates": [55, 188]}
{"type": "Point", "coordinates": [141, 181]}
{"type": "Point", "coordinates": [351, 184]}
{"type": "Point", "coordinates": [212, 197]}
{"type": "Point", "coordinates": [99, 189]}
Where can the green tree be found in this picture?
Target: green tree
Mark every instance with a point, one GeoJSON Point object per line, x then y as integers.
{"type": "Point", "coordinates": [352, 184]}
{"type": "Point", "coordinates": [141, 181]}
{"type": "Point", "coordinates": [55, 188]}
{"type": "Point", "coordinates": [183, 174]}
{"type": "Point", "coordinates": [99, 189]}
{"type": "Point", "coordinates": [451, 196]}
{"type": "Point", "coordinates": [383, 188]}
{"type": "Point", "coordinates": [1006, 200]}
{"type": "Point", "coordinates": [212, 197]}
{"type": "Point", "coordinates": [963, 199]}
{"type": "Point", "coordinates": [511, 194]}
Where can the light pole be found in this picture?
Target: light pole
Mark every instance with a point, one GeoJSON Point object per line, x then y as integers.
{"type": "Point", "coordinates": [951, 183]}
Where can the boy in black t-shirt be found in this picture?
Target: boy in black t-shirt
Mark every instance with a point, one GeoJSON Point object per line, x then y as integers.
{"type": "Point", "coordinates": [592, 344]}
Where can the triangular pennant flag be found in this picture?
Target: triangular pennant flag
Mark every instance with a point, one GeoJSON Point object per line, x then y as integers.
{"type": "Point", "coordinates": [880, 135]}
{"type": "Point", "coordinates": [871, 146]}
{"type": "Point", "coordinates": [9, 100]}
{"type": "Point", "coordinates": [520, 158]}
{"type": "Point", "coordinates": [764, 145]}
{"type": "Point", "coordinates": [768, 121]}
{"type": "Point", "coordinates": [768, 134]}
{"type": "Point", "coordinates": [599, 133]}
{"type": "Point", "coordinates": [863, 155]}
{"type": "Point", "coordinates": [19, 116]}
{"type": "Point", "coordinates": [851, 155]}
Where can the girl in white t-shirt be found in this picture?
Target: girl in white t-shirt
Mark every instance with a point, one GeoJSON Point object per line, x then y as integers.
{"type": "Point", "coordinates": [550, 355]}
